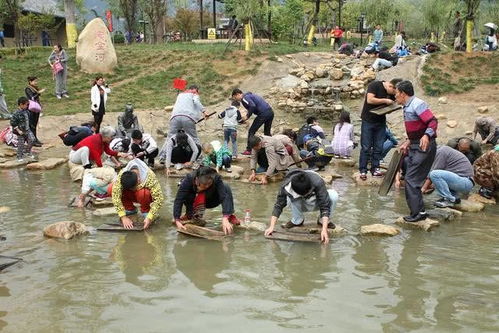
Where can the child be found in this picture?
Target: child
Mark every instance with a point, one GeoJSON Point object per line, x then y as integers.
{"type": "Point", "coordinates": [231, 117]}
{"type": "Point", "coordinates": [144, 146]}
{"type": "Point", "coordinates": [343, 137]}
{"type": "Point", "coordinates": [217, 154]}
{"type": "Point", "coordinates": [20, 127]}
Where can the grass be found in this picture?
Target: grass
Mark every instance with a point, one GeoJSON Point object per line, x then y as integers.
{"type": "Point", "coordinates": [458, 72]}
{"type": "Point", "coordinates": [144, 75]}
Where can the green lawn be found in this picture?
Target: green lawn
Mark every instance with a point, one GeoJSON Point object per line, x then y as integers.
{"type": "Point", "coordinates": [144, 75]}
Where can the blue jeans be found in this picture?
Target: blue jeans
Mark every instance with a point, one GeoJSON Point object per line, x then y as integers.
{"type": "Point", "coordinates": [231, 134]}
{"type": "Point", "coordinates": [387, 146]}
{"type": "Point", "coordinates": [298, 207]}
{"type": "Point", "coordinates": [448, 184]}
{"type": "Point", "coordinates": [372, 136]}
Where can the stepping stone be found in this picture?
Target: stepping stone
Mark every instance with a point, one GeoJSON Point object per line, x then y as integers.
{"type": "Point", "coordinates": [349, 163]}
{"type": "Point", "coordinates": [444, 214]}
{"type": "Point", "coordinates": [50, 163]}
{"type": "Point", "coordinates": [14, 164]}
{"type": "Point", "coordinates": [75, 171]}
{"type": "Point", "coordinates": [274, 179]}
{"type": "Point", "coordinates": [202, 232]}
{"type": "Point", "coordinates": [65, 230]}
{"type": "Point", "coordinates": [379, 230]}
{"type": "Point", "coordinates": [3, 160]}
{"type": "Point", "coordinates": [469, 206]}
{"type": "Point", "coordinates": [101, 203]}
{"type": "Point", "coordinates": [295, 237]}
{"type": "Point", "coordinates": [426, 225]}
{"type": "Point", "coordinates": [4, 209]}
{"type": "Point", "coordinates": [8, 153]}
{"type": "Point", "coordinates": [475, 197]}
{"type": "Point", "coordinates": [108, 211]}
{"type": "Point", "coordinates": [370, 181]}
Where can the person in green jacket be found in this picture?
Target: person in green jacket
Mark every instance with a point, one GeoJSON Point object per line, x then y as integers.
{"type": "Point", "coordinates": [217, 154]}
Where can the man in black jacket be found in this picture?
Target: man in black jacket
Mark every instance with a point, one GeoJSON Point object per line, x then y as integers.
{"type": "Point", "coordinates": [203, 189]}
{"type": "Point", "coordinates": [305, 191]}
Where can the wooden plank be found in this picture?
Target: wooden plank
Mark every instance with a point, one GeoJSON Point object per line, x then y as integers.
{"type": "Point", "coordinates": [390, 174]}
{"type": "Point", "coordinates": [86, 203]}
{"type": "Point", "coordinates": [382, 110]}
{"type": "Point", "coordinates": [6, 261]}
{"type": "Point", "coordinates": [118, 227]}
{"type": "Point", "coordinates": [295, 237]}
{"type": "Point", "coordinates": [201, 232]}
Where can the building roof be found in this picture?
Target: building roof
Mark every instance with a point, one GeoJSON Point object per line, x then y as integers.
{"type": "Point", "coordinates": [43, 7]}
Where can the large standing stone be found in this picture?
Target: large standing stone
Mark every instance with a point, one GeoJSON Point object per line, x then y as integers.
{"type": "Point", "coordinates": [65, 229]}
{"type": "Point", "coordinates": [379, 230]}
{"type": "Point", "coordinates": [95, 52]}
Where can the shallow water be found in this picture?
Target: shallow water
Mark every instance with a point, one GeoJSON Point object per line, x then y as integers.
{"type": "Point", "coordinates": [157, 281]}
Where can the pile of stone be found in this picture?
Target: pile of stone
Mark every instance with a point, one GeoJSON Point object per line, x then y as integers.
{"type": "Point", "coordinates": [321, 88]}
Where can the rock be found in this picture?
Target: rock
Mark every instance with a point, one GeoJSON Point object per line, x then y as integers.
{"type": "Point", "coordinates": [7, 153]}
{"type": "Point", "coordinates": [379, 230]}
{"type": "Point", "coordinates": [108, 211]}
{"type": "Point", "coordinates": [106, 202]}
{"type": "Point", "coordinates": [441, 116]}
{"type": "Point", "coordinates": [356, 84]}
{"type": "Point", "coordinates": [95, 51]}
{"type": "Point", "coordinates": [468, 132]}
{"type": "Point", "coordinates": [444, 214]}
{"type": "Point", "coordinates": [356, 71]}
{"type": "Point", "coordinates": [168, 108]}
{"type": "Point", "coordinates": [469, 206]}
{"type": "Point", "coordinates": [483, 109]}
{"type": "Point", "coordinates": [13, 164]}
{"type": "Point", "coordinates": [475, 197]}
{"type": "Point", "coordinates": [368, 75]}
{"type": "Point", "coordinates": [370, 181]}
{"type": "Point", "coordinates": [279, 59]}
{"type": "Point", "coordinates": [320, 72]}
{"type": "Point", "coordinates": [442, 100]}
{"type": "Point", "coordinates": [310, 103]}
{"type": "Point", "coordinates": [289, 56]}
{"type": "Point", "coordinates": [336, 74]}
{"type": "Point", "coordinates": [344, 162]}
{"type": "Point", "coordinates": [4, 209]}
{"type": "Point", "coordinates": [50, 163]}
{"type": "Point", "coordinates": [341, 56]}
{"type": "Point", "coordinates": [338, 107]}
{"type": "Point", "coordinates": [426, 225]}
{"type": "Point", "coordinates": [254, 226]}
{"type": "Point", "coordinates": [451, 123]}
{"type": "Point", "coordinates": [304, 84]}
{"type": "Point", "coordinates": [65, 229]}
{"type": "Point", "coordinates": [75, 171]}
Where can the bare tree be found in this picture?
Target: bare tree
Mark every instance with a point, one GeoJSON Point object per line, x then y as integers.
{"type": "Point", "coordinates": [128, 10]}
{"type": "Point", "coordinates": [155, 10]}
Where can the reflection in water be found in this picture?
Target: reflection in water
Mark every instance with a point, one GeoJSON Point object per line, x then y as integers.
{"type": "Point", "coordinates": [202, 261]}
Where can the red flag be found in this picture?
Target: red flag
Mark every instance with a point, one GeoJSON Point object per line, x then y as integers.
{"type": "Point", "coordinates": [109, 18]}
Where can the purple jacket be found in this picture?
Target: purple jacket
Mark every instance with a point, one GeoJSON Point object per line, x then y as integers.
{"type": "Point", "coordinates": [256, 104]}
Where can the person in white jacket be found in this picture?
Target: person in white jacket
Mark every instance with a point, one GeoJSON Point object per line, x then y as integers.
{"type": "Point", "coordinates": [144, 146]}
{"type": "Point", "coordinates": [98, 96]}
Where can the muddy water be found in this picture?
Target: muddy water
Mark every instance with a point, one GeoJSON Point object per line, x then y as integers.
{"type": "Point", "coordinates": [158, 281]}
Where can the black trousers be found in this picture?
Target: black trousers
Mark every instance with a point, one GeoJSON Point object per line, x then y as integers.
{"type": "Point", "coordinates": [98, 117]}
{"type": "Point", "coordinates": [150, 157]}
{"type": "Point", "coordinates": [181, 155]}
{"type": "Point", "coordinates": [33, 122]}
{"type": "Point", "coordinates": [266, 121]}
{"type": "Point", "coordinates": [418, 165]}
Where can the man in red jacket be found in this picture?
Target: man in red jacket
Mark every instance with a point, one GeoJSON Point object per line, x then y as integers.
{"type": "Point", "coordinates": [92, 147]}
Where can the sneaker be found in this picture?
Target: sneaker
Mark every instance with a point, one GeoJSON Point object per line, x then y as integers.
{"type": "Point", "coordinates": [485, 192]}
{"type": "Point", "coordinates": [179, 166]}
{"type": "Point", "coordinates": [20, 160]}
{"type": "Point", "coordinates": [65, 95]}
{"type": "Point", "coordinates": [363, 176]}
{"type": "Point", "coordinates": [37, 144]}
{"type": "Point", "coordinates": [234, 220]}
{"type": "Point", "coordinates": [246, 153]}
{"type": "Point", "coordinates": [447, 203]}
{"type": "Point", "coordinates": [289, 225]}
{"type": "Point", "coordinates": [87, 166]}
{"type": "Point", "coordinates": [234, 157]}
{"type": "Point", "coordinates": [30, 157]}
{"type": "Point", "coordinates": [229, 170]}
{"type": "Point", "coordinates": [378, 173]}
{"type": "Point", "coordinates": [59, 96]}
{"type": "Point", "coordinates": [416, 218]}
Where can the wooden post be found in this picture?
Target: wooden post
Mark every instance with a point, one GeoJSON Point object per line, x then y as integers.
{"type": "Point", "coordinates": [469, 35]}
{"type": "Point", "coordinates": [247, 45]}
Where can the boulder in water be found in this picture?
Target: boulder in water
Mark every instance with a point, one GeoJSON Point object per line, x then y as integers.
{"type": "Point", "coordinates": [426, 225]}
{"type": "Point", "coordinates": [469, 206]}
{"type": "Point", "coordinates": [444, 214]}
{"type": "Point", "coordinates": [95, 51]}
{"type": "Point", "coordinates": [65, 229]}
{"type": "Point", "coordinates": [475, 197]}
{"type": "Point", "coordinates": [379, 230]}
{"type": "Point", "coordinates": [50, 163]}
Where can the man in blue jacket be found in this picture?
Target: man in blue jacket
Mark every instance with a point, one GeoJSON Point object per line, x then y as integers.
{"type": "Point", "coordinates": [255, 105]}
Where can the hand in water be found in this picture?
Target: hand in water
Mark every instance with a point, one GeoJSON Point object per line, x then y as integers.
{"type": "Point", "coordinates": [147, 223]}
{"type": "Point", "coordinates": [226, 226]}
{"type": "Point", "coordinates": [180, 225]}
{"type": "Point", "coordinates": [127, 222]}
{"type": "Point", "coordinates": [269, 231]}
{"type": "Point", "coordinates": [324, 236]}
{"type": "Point", "coordinates": [264, 180]}
{"type": "Point", "coordinates": [252, 177]}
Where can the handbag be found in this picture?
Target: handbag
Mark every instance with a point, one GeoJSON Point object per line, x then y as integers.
{"type": "Point", "coordinates": [34, 106]}
{"type": "Point", "coordinates": [57, 67]}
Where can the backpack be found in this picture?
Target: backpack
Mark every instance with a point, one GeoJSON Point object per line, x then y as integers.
{"type": "Point", "coordinates": [302, 132]}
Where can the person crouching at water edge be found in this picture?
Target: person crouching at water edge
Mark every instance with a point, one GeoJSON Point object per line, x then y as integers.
{"type": "Point", "coordinates": [305, 191]}
{"type": "Point", "coordinates": [200, 190]}
{"type": "Point", "coordinates": [271, 156]}
{"type": "Point", "coordinates": [136, 183]}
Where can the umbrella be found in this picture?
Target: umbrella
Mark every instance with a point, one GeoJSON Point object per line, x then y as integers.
{"type": "Point", "coordinates": [491, 25]}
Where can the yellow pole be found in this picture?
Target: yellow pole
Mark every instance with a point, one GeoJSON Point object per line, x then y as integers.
{"type": "Point", "coordinates": [332, 41]}
{"type": "Point", "coordinates": [311, 34]}
{"type": "Point", "coordinates": [432, 37]}
{"type": "Point", "coordinates": [72, 35]}
{"type": "Point", "coordinates": [469, 32]}
{"type": "Point", "coordinates": [251, 34]}
{"type": "Point", "coordinates": [247, 46]}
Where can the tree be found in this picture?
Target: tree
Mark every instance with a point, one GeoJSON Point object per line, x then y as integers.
{"type": "Point", "coordinates": [472, 8]}
{"type": "Point", "coordinates": [155, 10]}
{"type": "Point", "coordinates": [286, 19]}
{"type": "Point", "coordinates": [11, 11]}
{"type": "Point", "coordinates": [128, 9]}
{"type": "Point", "coordinates": [436, 14]}
{"type": "Point", "coordinates": [71, 31]}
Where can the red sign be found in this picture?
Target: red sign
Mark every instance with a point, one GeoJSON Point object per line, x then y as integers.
{"type": "Point", "coordinates": [179, 84]}
{"type": "Point", "coordinates": [109, 18]}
